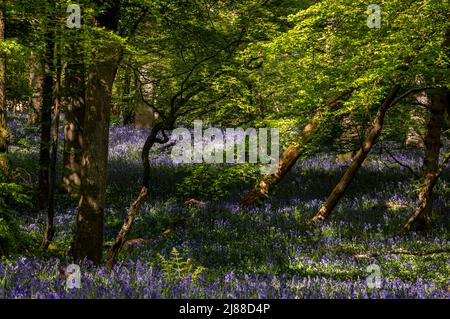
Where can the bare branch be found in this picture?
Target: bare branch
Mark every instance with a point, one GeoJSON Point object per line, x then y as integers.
{"type": "Point", "coordinates": [402, 164]}
{"type": "Point", "coordinates": [409, 92]}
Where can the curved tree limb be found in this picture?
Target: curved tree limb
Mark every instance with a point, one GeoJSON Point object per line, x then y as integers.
{"type": "Point", "coordinates": [409, 168]}
{"type": "Point", "coordinates": [126, 227]}
{"type": "Point", "coordinates": [425, 193]}
{"type": "Point", "coordinates": [359, 158]}
{"type": "Point", "coordinates": [290, 156]}
{"type": "Point", "coordinates": [136, 205]}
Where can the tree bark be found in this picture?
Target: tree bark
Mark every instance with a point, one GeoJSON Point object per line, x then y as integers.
{"type": "Point", "coordinates": [4, 135]}
{"type": "Point", "coordinates": [290, 156]}
{"type": "Point", "coordinates": [102, 72]}
{"type": "Point", "coordinates": [430, 169]}
{"type": "Point", "coordinates": [75, 90]}
{"type": "Point", "coordinates": [358, 160]}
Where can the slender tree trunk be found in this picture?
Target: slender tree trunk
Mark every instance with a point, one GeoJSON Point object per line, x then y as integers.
{"type": "Point", "coordinates": [134, 208]}
{"type": "Point", "coordinates": [126, 227]}
{"type": "Point", "coordinates": [4, 135]}
{"type": "Point", "coordinates": [426, 199]}
{"type": "Point", "coordinates": [50, 229]}
{"type": "Point", "coordinates": [128, 111]}
{"type": "Point", "coordinates": [75, 90]}
{"type": "Point", "coordinates": [37, 83]}
{"type": "Point", "coordinates": [430, 169]}
{"type": "Point", "coordinates": [102, 71]}
{"type": "Point", "coordinates": [289, 157]}
{"type": "Point", "coordinates": [358, 160]}
{"type": "Point", "coordinates": [46, 120]}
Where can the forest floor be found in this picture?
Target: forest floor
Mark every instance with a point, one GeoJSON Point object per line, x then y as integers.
{"type": "Point", "coordinates": [219, 251]}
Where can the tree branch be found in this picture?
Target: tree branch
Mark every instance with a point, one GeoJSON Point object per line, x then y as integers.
{"type": "Point", "coordinates": [409, 92]}
{"type": "Point", "coordinates": [403, 252]}
{"type": "Point", "coordinates": [402, 165]}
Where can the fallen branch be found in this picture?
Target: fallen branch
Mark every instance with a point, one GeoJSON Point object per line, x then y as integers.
{"type": "Point", "coordinates": [195, 203]}
{"type": "Point", "coordinates": [403, 252]}
{"type": "Point", "coordinates": [130, 243]}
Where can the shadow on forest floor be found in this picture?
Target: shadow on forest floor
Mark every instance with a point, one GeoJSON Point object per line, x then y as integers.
{"type": "Point", "coordinates": [274, 238]}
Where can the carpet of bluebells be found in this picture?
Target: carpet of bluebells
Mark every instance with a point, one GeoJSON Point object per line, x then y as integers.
{"type": "Point", "coordinates": [219, 251]}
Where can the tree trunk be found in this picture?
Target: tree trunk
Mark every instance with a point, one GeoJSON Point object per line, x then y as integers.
{"type": "Point", "coordinates": [126, 227]}
{"type": "Point", "coordinates": [358, 160]}
{"type": "Point", "coordinates": [36, 82]}
{"type": "Point", "coordinates": [127, 110]}
{"type": "Point", "coordinates": [134, 208]}
{"type": "Point", "coordinates": [439, 108]}
{"type": "Point", "coordinates": [102, 71]}
{"type": "Point", "coordinates": [89, 236]}
{"type": "Point", "coordinates": [4, 135]}
{"type": "Point", "coordinates": [75, 90]}
{"type": "Point", "coordinates": [289, 157]}
{"type": "Point", "coordinates": [50, 229]}
{"type": "Point", "coordinates": [46, 119]}
{"type": "Point", "coordinates": [426, 199]}
{"type": "Point", "coordinates": [430, 169]}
